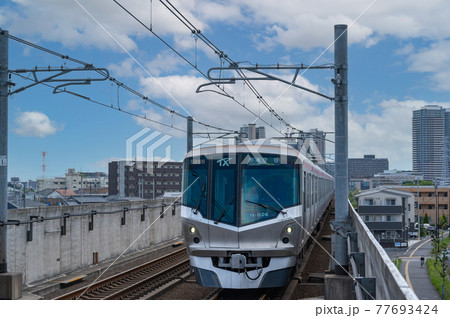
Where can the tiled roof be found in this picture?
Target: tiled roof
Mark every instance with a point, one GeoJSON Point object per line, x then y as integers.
{"type": "Point", "coordinates": [65, 192]}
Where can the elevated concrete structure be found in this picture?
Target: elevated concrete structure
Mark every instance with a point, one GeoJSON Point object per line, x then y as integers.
{"type": "Point", "coordinates": [390, 284]}
{"type": "Point", "coordinates": [11, 286]}
{"type": "Point", "coordinates": [46, 249]}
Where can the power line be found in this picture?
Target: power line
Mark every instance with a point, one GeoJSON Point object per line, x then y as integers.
{"type": "Point", "coordinates": [57, 90]}
{"type": "Point", "coordinates": [98, 102]}
{"type": "Point", "coordinates": [103, 73]}
{"type": "Point", "coordinates": [221, 55]}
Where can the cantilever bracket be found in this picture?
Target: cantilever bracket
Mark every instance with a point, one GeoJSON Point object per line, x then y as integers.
{"type": "Point", "coordinates": [56, 77]}
{"type": "Point", "coordinates": [264, 76]}
{"type": "Point", "coordinates": [198, 90]}
{"type": "Point", "coordinates": [342, 228]}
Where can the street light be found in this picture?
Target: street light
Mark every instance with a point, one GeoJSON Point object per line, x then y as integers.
{"type": "Point", "coordinates": [418, 211]}
{"type": "Point", "coordinates": [435, 205]}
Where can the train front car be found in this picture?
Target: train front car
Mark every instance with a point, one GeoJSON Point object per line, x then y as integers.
{"type": "Point", "coordinates": [242, 215]}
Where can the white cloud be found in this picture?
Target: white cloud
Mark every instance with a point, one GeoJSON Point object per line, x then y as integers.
{"type": "Point", "coordinates": [433, 60]}
{"type": "Point", "coordinates": [68, 23]}
{"type": "Point", "coordinates": [164, 62]}
{"type": "Point", "coordinates": [386, 131]}
{"type": "Point", "coordinates": [224, 112]}
{"type": "Point", "coordinates": [309, 23]}
{"type": "Point", "coordinates": [289, 23]}
{"type": "Point", "coordinates": [103, 163]}
{"type": "Point", "coordinates": [126, 68]}
{"type": "Point", "coordinates": [35, 124]}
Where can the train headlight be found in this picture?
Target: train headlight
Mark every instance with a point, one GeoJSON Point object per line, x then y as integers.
{"type": "Point", "coordinates": [192, 230]}
{"type": "Point", "coordinates": [289, 230]}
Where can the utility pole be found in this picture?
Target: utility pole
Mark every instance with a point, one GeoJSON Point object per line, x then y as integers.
{"type": "Point", "coordinates": [418, 211]}
{"type": "Point", "coordinates": [189, 134]}
{"type": "Point", "coordinates": [340, 81]}
{"type": "Point", "coordinates": [436, 208]}
{"type": "Point", "coordinates": [3, 147]}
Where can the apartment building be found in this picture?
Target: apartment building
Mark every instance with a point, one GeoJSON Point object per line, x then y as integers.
{"type": "Point", "coordinates": [144, 179]}
{"type": "Point", "coordinates": [427, 200]}
{"type": "Point", "coordinates": [388, 213]}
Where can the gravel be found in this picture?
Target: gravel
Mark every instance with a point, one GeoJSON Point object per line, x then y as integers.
{"type": "Point", "coordinates": [120, 266]}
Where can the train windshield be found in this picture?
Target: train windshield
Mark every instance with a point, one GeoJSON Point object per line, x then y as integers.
{"type": "Point", "coordinates": [223, 205]}
{"type": "Point", "coordinates": [195, 185]}
{"type": "Point", "coordinates": [240, 190]}
{"type": "Point", "coordinates": [268, 187]}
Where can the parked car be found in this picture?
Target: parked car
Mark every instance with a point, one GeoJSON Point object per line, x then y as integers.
{"type": "Point", "coordinates": [413, 234]}
{"type": "Point", "coordinates": [431, 228]}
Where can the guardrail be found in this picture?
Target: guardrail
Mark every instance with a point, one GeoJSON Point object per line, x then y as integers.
{"type": "Point", "coordinates": [377, 274]}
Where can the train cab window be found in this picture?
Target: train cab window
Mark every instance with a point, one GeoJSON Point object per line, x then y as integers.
{"type": "Point", "coordinates": [223, 204]}
{"type": "Point", "coordinates": [268, 187]}
{"type": "Point", "coordinates": [195, 184]}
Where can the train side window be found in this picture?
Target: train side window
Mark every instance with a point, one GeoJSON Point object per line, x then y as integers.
{"type": "Point", "coordinates": [308, 190]}
{"type": "Point", "coordinates": [304, 189]}
{"type": "Point", "coordinates": [317, 189]}
{"type": "Point", "coordinates": [313, 190]}
{"type": "Point", "coordinates": [299, 181]}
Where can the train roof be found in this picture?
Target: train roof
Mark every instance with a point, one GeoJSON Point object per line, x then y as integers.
{"type": "Point", "coordinates": [267, 146]}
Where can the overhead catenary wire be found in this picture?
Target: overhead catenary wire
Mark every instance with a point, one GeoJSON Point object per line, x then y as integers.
{"type": "Point", "coordinates": [117, 109]}
{"type": "Point", "coordinates": [112, 79]}
{"type": "Point", "coordinates": [221, 54]}
{"type": "Point", "coordinates": [130, 55]}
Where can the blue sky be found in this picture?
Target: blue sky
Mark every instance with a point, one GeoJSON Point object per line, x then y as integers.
{"type": "Point", "coordinates": [398, 60]}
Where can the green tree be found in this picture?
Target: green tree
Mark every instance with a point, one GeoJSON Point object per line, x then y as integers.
{"type": "Point", "coordinates": [426, 219]}
{"type": "Point", "coordinates": [423, 232]}
{"type": "Point", "coordinates": [439, 271]}
{"type": "Point", "coordinates": [435, 248]}
{"type": "Point", "coordinates": [421, 183]}
{"type": "Point", "coordinates": [443, 221]}
{"type": "Point", "coordinates": [352, 198]}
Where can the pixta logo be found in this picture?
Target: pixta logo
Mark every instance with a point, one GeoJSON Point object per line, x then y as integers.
{"type": "Point", "coordinates": [147, 145]}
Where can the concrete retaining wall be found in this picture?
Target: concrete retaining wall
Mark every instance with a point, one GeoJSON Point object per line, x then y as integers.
{"type": "Point", "coordinates": [390, 284]}
{"type": "Point", "coordinates": [50, 253]}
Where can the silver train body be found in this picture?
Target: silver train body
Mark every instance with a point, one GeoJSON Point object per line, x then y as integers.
{"type": "Point", "coordinates": [248, 211]}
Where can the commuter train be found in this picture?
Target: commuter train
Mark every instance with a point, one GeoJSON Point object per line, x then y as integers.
{"type": "Point", "coordinates": [248, 211]}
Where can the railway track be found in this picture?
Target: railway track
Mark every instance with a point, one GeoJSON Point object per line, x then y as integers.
{"type": "Point", "coordinates": [251, 294]}
{"type": "Point", "coordinates": [286, 292]}
{"type": "Point", "coordinates": [137, 282]}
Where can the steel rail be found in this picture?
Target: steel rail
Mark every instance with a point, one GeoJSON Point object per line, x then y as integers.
{"type": "Point", "coordinates": [81, 292]}
{"type": "Point", "coordinates": [150, 283]}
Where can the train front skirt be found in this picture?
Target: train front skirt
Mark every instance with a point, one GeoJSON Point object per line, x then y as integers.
{"type": "Point", "coordinates": [277, 274]}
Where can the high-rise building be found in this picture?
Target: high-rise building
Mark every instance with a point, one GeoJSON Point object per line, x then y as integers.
{"type": "Point", "coordinates": [318, 136]}
{"type": "Point", "coordinates": [310, 144]}
{"type": "Point", "coordinates": [251, 132]}
{"type": "Point", "coordinates": [431, 142]}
